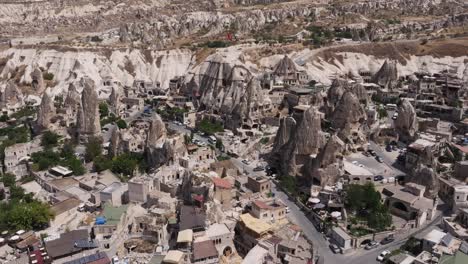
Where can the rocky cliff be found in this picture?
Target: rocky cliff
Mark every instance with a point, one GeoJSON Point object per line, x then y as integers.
{"type": "Point", "coordinates": [230, 89]}
{"type": "Point", "coordinates": [88, 114]}
{"type": "Point", "coordinates": [406, 123]}
{"type": "Point", "coordinates": [46, 111]}
{"type": "Point", "coordinates": [10, 95]}
{"type": "Point", "coordinates": [326, 167]}
{"type": "Point", "coordinates": [297, 140]}
{"type": "Point", "coordinates": [427, 177]}
{"type": "Point", "coordinates": [387, 76]}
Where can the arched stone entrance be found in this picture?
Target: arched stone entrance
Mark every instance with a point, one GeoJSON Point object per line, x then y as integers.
{"type": "Point", "coordinates": [227, 251]}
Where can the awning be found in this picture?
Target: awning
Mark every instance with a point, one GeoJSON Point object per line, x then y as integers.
{"type": "Point", "coordinates": [335, 214]}
{"type": "Point", "coordinates": [185, 236]}
{"type": "Point", "coordinates": [319, 206]}
{"type": "Point", "coordinates": [314, 200]}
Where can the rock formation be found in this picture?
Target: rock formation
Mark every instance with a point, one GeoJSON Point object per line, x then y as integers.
{"type": "Point", "coordinates": [348, 112]}
{"type": "Point", "coordinates": [159, 150]}
{"type": "Point", "coordinates": [338, 89]}
{"type": "Point", "coordinates": [406, 123]}
{"type": "Point", "coordinates": [37, 82]}
{"type": "Point", "coordinates": [387, 76]}
{"type": "Point", "coordinates": [88, 114]}
{"type": "Point", "coordinates": [229, 90]}
{"type": "Point", "coordinates": [298, 139]}
{"type": "Point", "coordinates": [157, 131]}
{"type": "Point", "coordinates": [327, 166]}
{"type": "Point", "coordinates": [427, 177]}
{"type": "Point", "coordinates": [46, 111]}
{"type": "Point", "coordinates": [11, 95]}
{"type": "Point", "coordinates": [115, 99]}
{"type": "Point", "coordinates": [285, 67]}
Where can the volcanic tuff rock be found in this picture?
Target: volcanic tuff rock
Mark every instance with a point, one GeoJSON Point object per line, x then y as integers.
{"type": "Point", "coordinates": [338, 88]}
{"type": "Point", "coordinates": [88, 114]}
{"type": "Point", "coordinates": [406, 123]}
{"type": "Point", "coordinates": [327, 166]}
{"type": "Point", "coordinates": [426, 176]}
{"type": "Point", "coordinates": [115, 97]}
{"type": "Point", "coordinates": [157, 131]}
{"type": "Point", "coordinates": [349, 114]}
{"type": "Point", "coordinates": [387, 76]}
{"type": "Point", "coordinates": [46, 110]}
{"type": "Point", "coordinates": [297, 140]}
{"type": "Point", "coordinates": [229, 89]}
{"type": "Point", "coordinates": [11, 95]}
{"type": "Point", "coordinates": [285, 67]}
{"type": "Point", "coordinates": [37, 81]}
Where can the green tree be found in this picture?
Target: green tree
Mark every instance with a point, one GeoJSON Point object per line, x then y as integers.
{"type": "Point", "coordinates": [93, 148]}
{"type": "Point", "coordinates": [187, 139]}
{"type": "Point", "coordinates": [219, 144]}
{"type": "Point", "coordinates": [382, 112]}
{"type": "Point", "coordinates": [102, 163]}
{"type": "Point", "coordinates": [68, 150]}
{"type": "Point", "coordinates": [365, 202]}
{"type": "Point", "coordinates": [49, 139]}
{"type": "Point", "coordinates": [121, 124]}
{"type": "Point", "coordinates": [125, 164]}
{"type": "Point", "coordinates": [75, 165]}
{"type": "Point", "coordinates": [380, 218]}
{"type": "Point", "coordinates": [8, 179]}
{"type": "Point", "coordinates": [103, 109]}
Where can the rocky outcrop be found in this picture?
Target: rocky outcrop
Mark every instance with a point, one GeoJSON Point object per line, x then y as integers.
{"type": "Point", "coordinates": [11, 95]}
{"type": "Point", "coordinates": [348, 112]}
{"type": "Point", "coordinates": [297, 140]}
{"type": "Point", "coordinates": [229, 89]}
{"type": "Point", "coordinates": [406, 123]}
{"type": "Point", "coordinates": [37, 81]}
{"type": "Point", "coordinates": [159, 149]}
{"type": "Point", "coordinates": [327, 166]}
{"type": "Point", "coordinates": [427, 177]}
{"type": "Point", "coordinates": [88, 114]}
{"type": "Point", "coordinates": [387, 76]}
{"type": "Point", "coordinates": [285, 67]}
{"type": "Point", "coordinates": [46, 111]}
{"type": "Point", "coordinates": [115, 98]}
{"type": "Point", "coordinates": [338, 88]}
{"type": "Point", "coordinates": [157, 131]}
{"type": "Point", "coordinates": [115, 142]}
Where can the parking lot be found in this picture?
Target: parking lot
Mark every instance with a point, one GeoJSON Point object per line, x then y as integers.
{"type": "Point", "coordinates": [386, 168]}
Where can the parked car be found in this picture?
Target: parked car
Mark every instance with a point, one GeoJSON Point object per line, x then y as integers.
{"type": "Point", "coordinates": [246, 162]}
{"type": "Point", "coordinates": [288, 210]}
{"type": "Point", "coordinates": [365, 153]}
{"type": "Point", "coordinates": [388, 148]}
{"type": "Point", "coordinates": [387, 240]}
{"type": "Point", "coordinates": [371, 245]}
{"type": "Point", "coordinates": [334, 248]}
{"type": "Point", "coordinates": [372, 152]}
{"type": "Point", "coordinates": [378, 178]}
{"type": "Point", "coordinates": [259, 168]}
{"type": "Point", "coordinates": [379, 159]}
{"type": "Point", "coordinates": [115, 260]}
{"type": "Point", "coordinates": [382, 255]}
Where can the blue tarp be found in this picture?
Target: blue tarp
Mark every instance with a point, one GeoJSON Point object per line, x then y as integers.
{"type": "Point", "coordinates": [100, 220]}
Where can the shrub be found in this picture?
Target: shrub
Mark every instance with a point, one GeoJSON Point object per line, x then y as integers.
{"type": "Point", "coordinates": [48, 76]}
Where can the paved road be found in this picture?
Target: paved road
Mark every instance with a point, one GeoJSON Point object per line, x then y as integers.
{"type": "Point", "coordinates": [358, 256]}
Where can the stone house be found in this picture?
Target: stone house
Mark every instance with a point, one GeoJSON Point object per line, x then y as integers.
{"type": "Point", "coordinates": [409, 203]}
{"type": "Point", "coordinates": [269, 211]}
{"type": "Point", "coordinates": [259, 184]}
{"type": "Point", "coordinates": [223, 192]}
